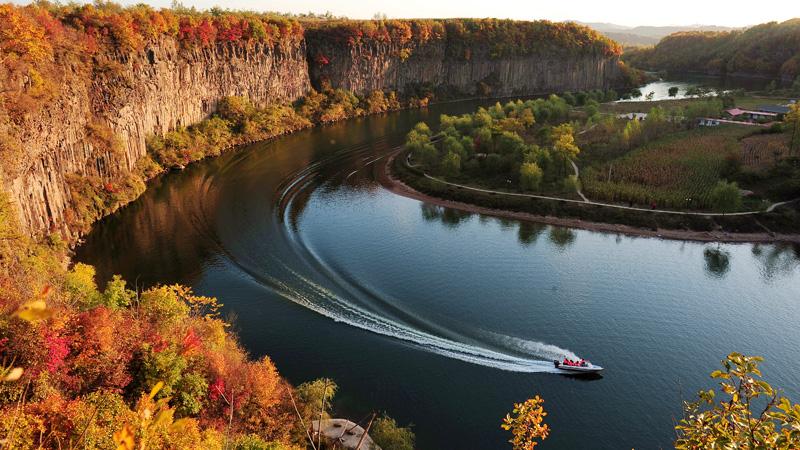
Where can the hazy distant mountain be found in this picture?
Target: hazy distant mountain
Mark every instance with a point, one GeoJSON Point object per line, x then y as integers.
{"type": "Point", "coordinates": [647, 35]}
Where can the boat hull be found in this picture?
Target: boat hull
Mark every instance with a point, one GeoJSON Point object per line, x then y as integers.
{"type": "Point", "coordinates": [591, 368]}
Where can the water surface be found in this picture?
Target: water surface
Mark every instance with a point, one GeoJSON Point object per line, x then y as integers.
{"type": "Point", "coordinates": [441, 318]}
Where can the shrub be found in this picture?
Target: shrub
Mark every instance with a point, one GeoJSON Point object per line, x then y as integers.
{"type": "Point", "coordinates": [389, 436]}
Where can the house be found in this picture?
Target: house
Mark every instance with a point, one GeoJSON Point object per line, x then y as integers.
{"type": "Point", "coordinates": [736, 113]}
{"type": "Point", "coordinates": [774, 109]}
{"type": "Point", "coordinates": [633, 116]}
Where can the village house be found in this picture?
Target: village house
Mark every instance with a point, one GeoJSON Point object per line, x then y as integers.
{"type": "Point", "coordinates": [746, 114]}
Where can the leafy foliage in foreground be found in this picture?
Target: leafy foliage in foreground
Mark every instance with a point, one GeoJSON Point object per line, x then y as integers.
{"type": "Point", "coordinates": [78, 362]}
{"type": "Point", "coordinates": [752, 414]}
{"type": "Point", "coordinates": [526, 423]}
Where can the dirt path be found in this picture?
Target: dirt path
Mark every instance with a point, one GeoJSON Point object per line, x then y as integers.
{"type": "Point", "coordinates": [384, 176]}
{"type": "Point", "coordinates": [607, 205]}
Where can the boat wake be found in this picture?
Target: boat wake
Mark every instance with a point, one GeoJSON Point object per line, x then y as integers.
{"type": "Point", "coordinates": [313, 284]}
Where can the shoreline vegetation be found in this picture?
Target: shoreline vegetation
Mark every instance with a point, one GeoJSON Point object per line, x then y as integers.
{"type": "Point", "coordinates": [401, 180]}
{"type": "Point", "coordinates": [659, 176]}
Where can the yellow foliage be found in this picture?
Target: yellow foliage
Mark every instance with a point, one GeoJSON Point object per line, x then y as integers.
{"type": "Point", "coordinates": [22, 38]}
{"type": "Point", "coordinates": [527, 424]}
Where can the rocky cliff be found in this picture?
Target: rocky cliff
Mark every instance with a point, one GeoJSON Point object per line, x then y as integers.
{"type": "Point", "coordinates": [372, 65]}
{"type": "Point", "coordinates": [137, 95]}
{"type": "Point", "coordinates": [175, 80]}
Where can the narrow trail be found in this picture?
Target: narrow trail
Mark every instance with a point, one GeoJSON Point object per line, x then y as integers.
{"type": "Point", "coordinates": [586, 201]}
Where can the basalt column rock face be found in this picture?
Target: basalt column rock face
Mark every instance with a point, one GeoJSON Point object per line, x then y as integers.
{"type": "Point", "coordinates": [137, 95]}
{"type": "Point", "coordinates": [371, 65]}
{"type": "Point", "coordinates": [130, 96]}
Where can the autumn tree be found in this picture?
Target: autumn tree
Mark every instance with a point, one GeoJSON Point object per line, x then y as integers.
{"type": "Point", "coordinates": [564, 143]}
{"type": "Point", "coordinates": [21, 37]}
{"type": "Point", "coordinates": [792, 120]}
{"type": "Point", "coordinates": [530, 176]}
{"type": "Point", "coordinates": [526, 423]}
{"type": "Point", "coordinates": [750, 415]}
{"type": "Point", "coordinates": [389, 436]}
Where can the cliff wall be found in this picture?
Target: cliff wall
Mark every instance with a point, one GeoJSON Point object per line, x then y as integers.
{"type": "Point", "coordinates": [372, 65]}
{"type": "Point", "coordinates": [166, 85]}
{"type": "Point", "coordinates": [137, 95]}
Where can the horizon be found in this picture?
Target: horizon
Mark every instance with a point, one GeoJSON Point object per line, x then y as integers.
{"type": "Point", "coordinates": [705, 14]}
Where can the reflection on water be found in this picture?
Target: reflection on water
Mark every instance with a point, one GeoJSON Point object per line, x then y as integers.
{"type": "Point", "coordinates": [529, 232]}
{"type": "Point", "coordinates": [410, 306]}
{"type": "Point", "coordinates": [562, 237]}
{"type": "Point", "coordinates": [718, 261]}
{"type": "Point", "coordinates": [778, 260]}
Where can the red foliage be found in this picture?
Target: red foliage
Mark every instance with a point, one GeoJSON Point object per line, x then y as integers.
{"type": "Point", "coordinates": [205, 32]}
{"type": "Point", "coordinates": [216, 389]}
{"type": "Point", "coordinates": [190, 342]}
{"type": "Point", "coordinates": [57, 351]}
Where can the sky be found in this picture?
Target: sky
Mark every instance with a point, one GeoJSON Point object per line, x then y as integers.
{"type": "Point", "coordinates": [734, 13]}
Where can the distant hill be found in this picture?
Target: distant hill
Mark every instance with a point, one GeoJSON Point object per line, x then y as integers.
{"type": "Point", "coordinates": [770, 50]}
{"type": "Point", "coordinates": [647, 35]}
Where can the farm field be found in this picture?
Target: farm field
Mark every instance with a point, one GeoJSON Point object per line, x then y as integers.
{"type": "Point", "coordinates": [674, 172]}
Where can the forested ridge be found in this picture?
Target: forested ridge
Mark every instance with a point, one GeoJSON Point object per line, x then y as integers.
{"type": "Point", "coordinates": [770, 50]}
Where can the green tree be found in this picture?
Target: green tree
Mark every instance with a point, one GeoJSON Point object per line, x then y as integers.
{"type": "Point", "coordinates": [116, 295]}
{"type": "Point", "coordinates": [530, 176]}
{"type": "Point", "coordinates": [725, 196]}
{"type": "Point", "coordinates": [427, 155]}
{"type": "Point", "coordinates": [632, 133]}
{"type": "Point", "coordinates": [389, 436]}
{"type": "Point", "coordinates": [452, 144]}
{"type": "Point", "coordinates": [451, 164]}
{"type": "Point", "coordinates": [311, 396]}
{"type": "Point", "coordinates": [80, 285]}
{"type": "Point", "coordinates": [751, 415]}
{"type": "Point", "coordinates": [526, 423]}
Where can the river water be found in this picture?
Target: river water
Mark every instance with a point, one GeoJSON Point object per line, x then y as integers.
{"type": "Point", "coordinates": [441, 318]}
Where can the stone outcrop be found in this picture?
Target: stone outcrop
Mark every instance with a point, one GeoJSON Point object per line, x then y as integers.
{"type": "Point", "coordinates": [138, 95]}
{"type": "Point", "coordinates": [166, 86]}
{"type": "Point", "coordinates": [372, 65]}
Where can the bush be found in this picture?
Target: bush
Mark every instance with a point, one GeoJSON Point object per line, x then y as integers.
{"type": "Point", "coordinates": [725, 197]}
{"type": "Point", "coordinates": [530, 176]}
{"type": "Point", "coordinates": [389, 436]}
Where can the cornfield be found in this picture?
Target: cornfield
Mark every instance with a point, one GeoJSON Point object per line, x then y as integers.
{"type": "Point", "coordinates": [677, 172]}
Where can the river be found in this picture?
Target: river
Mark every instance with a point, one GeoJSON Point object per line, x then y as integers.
{"type": "Point", "coordinates": [441, 318]}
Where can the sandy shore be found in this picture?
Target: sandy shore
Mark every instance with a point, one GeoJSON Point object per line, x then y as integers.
{"type": "Point", "coordinates": [391, 183]}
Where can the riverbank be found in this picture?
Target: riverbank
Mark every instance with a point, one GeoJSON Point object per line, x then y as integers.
{"type": "Point", "coordinates": [398, 178]}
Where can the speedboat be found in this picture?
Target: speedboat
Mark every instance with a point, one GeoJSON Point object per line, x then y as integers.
{"type": "Point", "coordinates": [586, 367]}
